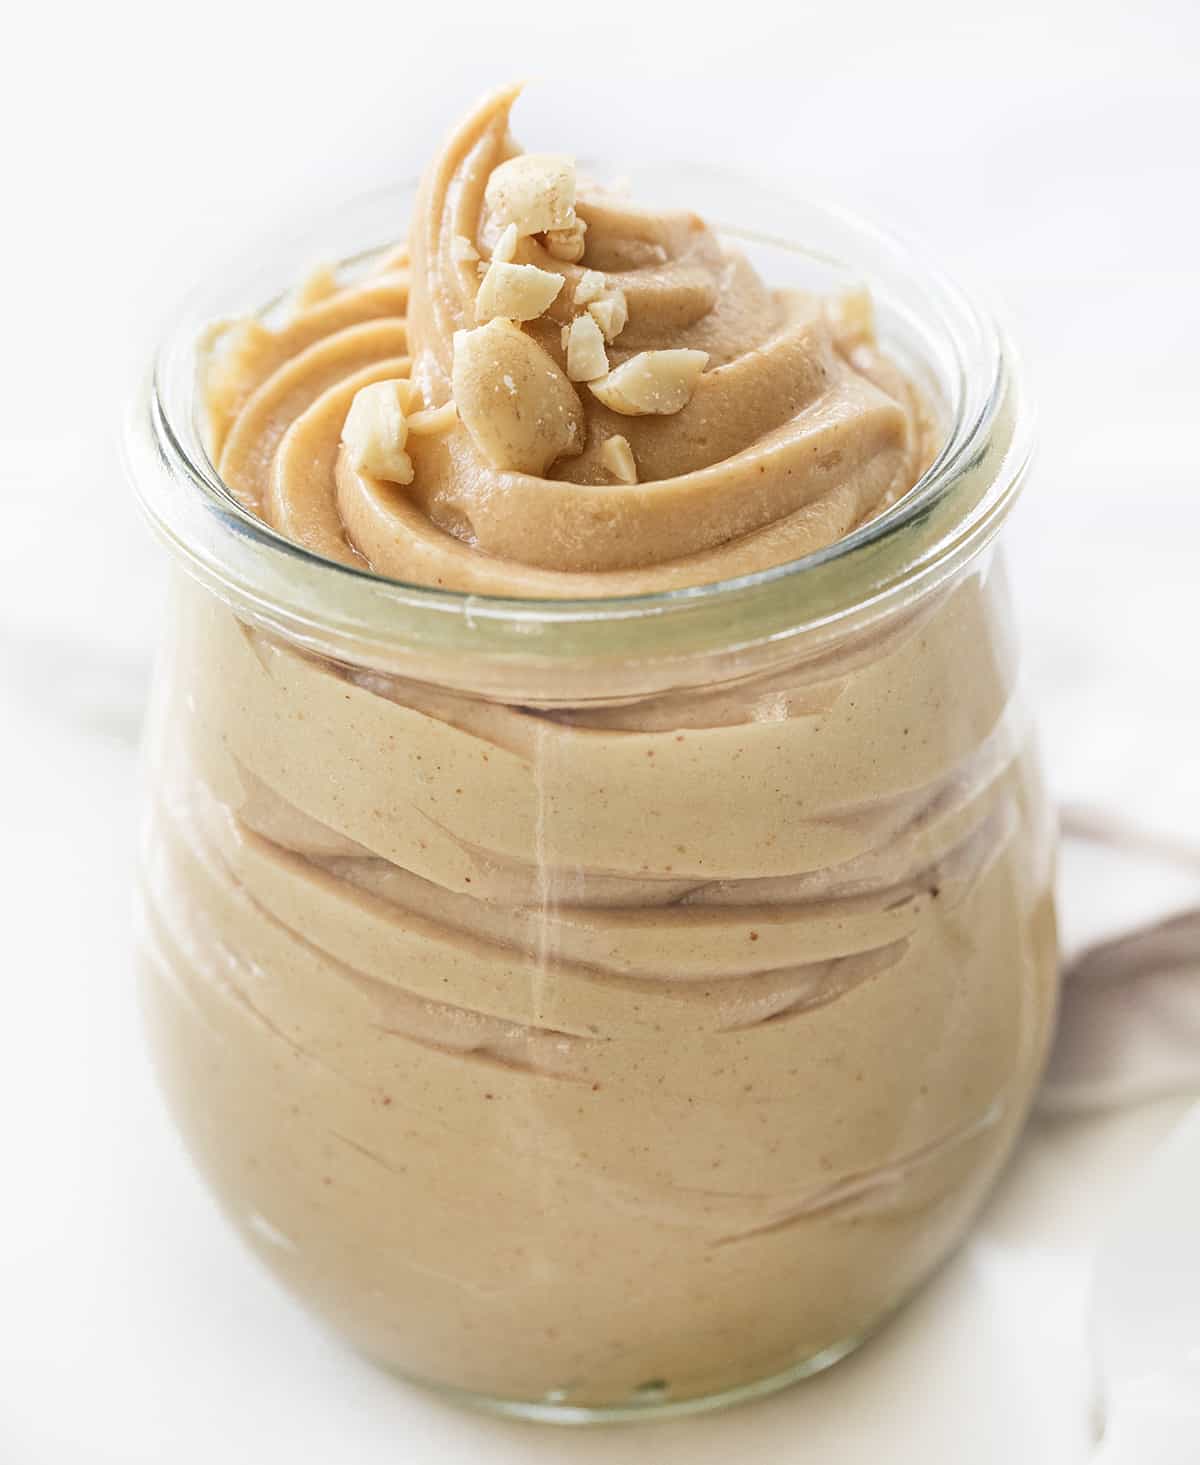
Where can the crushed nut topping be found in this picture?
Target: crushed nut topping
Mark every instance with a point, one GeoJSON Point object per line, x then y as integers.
{"type": "Point", "coordinates": [586, 358]}
{"type": "Point", "coordinates": [591, 287]}
{"type": "Point", "coordinates": [376, 430]}
{"type": "Point", "coordinates": [514, 399]}
{"type": "Point", "coordinates": [567, 244]}
{"type": "Point", "coordinates": [652, 383]}
{"type": "Point", "coordinates": [506, 245]}
{"type": "Point", "coordinates": [515, 292]}
{"type": "Point", "coordinates": [611, 313]}
{"type": "Point", "coordinates": [617, 457]}
{"type": "Point", "coordinates": [535, 191]}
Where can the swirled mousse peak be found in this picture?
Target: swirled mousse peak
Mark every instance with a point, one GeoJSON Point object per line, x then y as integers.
{"type": "Point", "coordinates": [553, 391]}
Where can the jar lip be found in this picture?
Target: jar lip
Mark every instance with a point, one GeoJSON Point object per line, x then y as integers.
{"type": "Point", "coordinates": [926, 533]}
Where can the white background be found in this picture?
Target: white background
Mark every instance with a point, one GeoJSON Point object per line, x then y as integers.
{"type": "Point", "coordinates": [1046, 152]}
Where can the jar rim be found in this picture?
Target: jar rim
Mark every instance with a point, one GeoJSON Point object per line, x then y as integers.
{"type": "Point", "coordinates": [940, 523]}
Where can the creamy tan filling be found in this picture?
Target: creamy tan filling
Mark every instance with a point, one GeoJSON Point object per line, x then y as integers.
{"type": "Point", "coordinates": [567, 1052]}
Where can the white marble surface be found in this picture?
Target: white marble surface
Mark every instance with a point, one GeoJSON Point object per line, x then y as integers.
{"type": "Point", "coordinates": [1048, 152]}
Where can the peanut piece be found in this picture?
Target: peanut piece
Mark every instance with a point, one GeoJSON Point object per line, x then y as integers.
{"type": "Point", "coordinates": [617, 457]}
{"type": "Point", "coordinates": [591, 287]}
{"type": "Point", "coordinates": [376, 430]}
{"type": "Point", "coordinates": [652, 382]}
{"type": "Point", "coordinates": [567, 244]}
{"type": "Point", "coordinates": [586, 358]}
{"type": "Point", "coordinates": [534, 191]}
{"type": "Point", "coordinates": [515, 292]}
{"type": "Point", "coordinates": [506, 245]}
{"type": "Point", "coordinates": [611, 313]}
{"type": "Point", "coordinates": [514, 400]}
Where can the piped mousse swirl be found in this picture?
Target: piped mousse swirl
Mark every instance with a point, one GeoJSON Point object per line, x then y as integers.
{"type": "Point", "coordinates": [795, 429]}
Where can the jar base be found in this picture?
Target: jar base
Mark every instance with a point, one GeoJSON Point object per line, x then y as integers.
{"type": "Point", "coordinates": [650, 1402]}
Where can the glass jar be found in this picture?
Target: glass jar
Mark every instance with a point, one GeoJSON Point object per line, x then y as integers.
{"type": "Point", "coordinates": [613, 1007]}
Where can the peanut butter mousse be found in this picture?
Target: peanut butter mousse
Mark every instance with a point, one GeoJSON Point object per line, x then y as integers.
{"type": "Point", "coordinates": [601, 399]}
{"type": "Point", "coordinates": [612, 1054]}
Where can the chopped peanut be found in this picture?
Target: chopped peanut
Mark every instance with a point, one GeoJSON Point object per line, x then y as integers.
{"type": "Point", "coordinates": [515, 292]}
{"type": "Point", "coordinates": [617, 457]}
{"type": "Point", "coordinates": [567, 244]}
{"type": "Point", "coordinates": [514, 399]}
{"type": "Point", "coordinates": [376, 430]}
{"type": "Point", "coordinates": [586, 358]}
{"type": "Point", "coordinates": [652, 382]}
{"type": "Point", "coordinates": [610, 313]}
{"type": "Point", "coordinates": [506, 245]}
{"type": "Point", "coordinates": [591, 287]}
{"type": "Point", "coordinates": [534, 191]}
